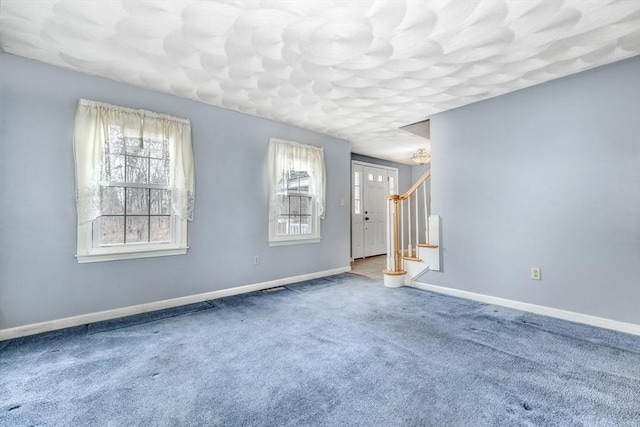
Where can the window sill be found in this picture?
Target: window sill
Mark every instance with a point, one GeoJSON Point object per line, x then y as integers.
{"type": "Point", "coordinates": [294, 241]}
{"type": "Point", "coordinates": [129, 254]}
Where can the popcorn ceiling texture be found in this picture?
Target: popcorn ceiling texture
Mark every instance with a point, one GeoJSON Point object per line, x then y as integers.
{"type": "Point", "coordinates": [356, 70]}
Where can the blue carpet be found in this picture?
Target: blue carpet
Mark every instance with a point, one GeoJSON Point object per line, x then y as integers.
{"type": "Point", "coordinates": [339, 351]}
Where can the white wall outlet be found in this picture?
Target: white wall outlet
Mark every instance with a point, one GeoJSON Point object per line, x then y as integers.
{"type": "Point", "coordinates": [256, 259]}
{"type": "Point", "coordinates": [343, 202]}
{"type": "Point", "coordinates": [535, 273]}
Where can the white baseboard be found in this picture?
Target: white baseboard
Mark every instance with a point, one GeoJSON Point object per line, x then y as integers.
{"type": "Point", "coordinates": [67, 322]}
{"type": "Point", "coordinates": [629, 328]}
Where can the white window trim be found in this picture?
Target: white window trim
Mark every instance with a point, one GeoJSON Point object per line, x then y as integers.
{"type": "Point", "coordinates": [295, 242]}
{"type": "Point", "coordinates": [296, 239]}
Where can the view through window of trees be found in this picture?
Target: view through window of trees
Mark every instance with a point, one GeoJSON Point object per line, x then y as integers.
{"type": "Point", "coordinates": [136, 200]}
{"type": "Point", "coordinates": [133, 197]}
{"type": "Point", "coordinates": [294, 204]}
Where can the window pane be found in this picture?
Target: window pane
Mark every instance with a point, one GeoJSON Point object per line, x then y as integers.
{"type": "Point", "coordinates": [157, 149]}
{"type": "Point", "coordinates": [305, 206]}
{"type": "Point", "coordinates": [114, 168]}
{"type": "Point", "coordinates": [305, 225]}
{"type": "Point", "coordinates": [283, 204]}
{"type": "Point", "coordinates": [288, 225]}
{"type": "Point", "coordinates": [370, 177]}
{"type": "Point", "coordinates": [356, 193]}
{"type": "Point", "coordinates": [135, 147]}
{"type": "Point", "coordinates": [294, 204]}
{"type": "Point", "coordinates": [294, 224]}
{"type": "Point", "coordinates": [137, 229]}
{"type": "Point", "coordinates": [160, 228]}
{"type": "Point", "coordinates": [137, 201]}
{"type": "Point", "coordinates": [304, 184]}
{"type": "Point", "coordinates": [356, 178]}
{"type": "Point", "coordinates": [116, 142]}
{"type": "Point", "coordinates": [297, 181]}
{"type": "Point", "coordinates": [137, 169]}
{"type": "Point", "coordinates": [356, 207]}
{"type": "Point", "coordinates": [379, 178]}
{"type": "Point", "coordinates": [112, 202]}
{"type": "Point", "coordinates": [159, 171]}
{"type": "Point", "coordinates": [160, 202]}
{"type": "Point", "coordinates": [111, 230]}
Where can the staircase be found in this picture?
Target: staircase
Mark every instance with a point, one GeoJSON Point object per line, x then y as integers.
{"type": "Point", "coordinates": [413, 240]}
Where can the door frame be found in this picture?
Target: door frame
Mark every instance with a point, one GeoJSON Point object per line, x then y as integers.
{"type": "Point", "coordinates": [351, 204]}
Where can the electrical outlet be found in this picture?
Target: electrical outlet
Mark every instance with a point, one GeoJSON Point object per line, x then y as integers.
{"type": "Point", "coordinates": [535, 273]}
{"type": "Point", "coordinates": [256, 259]}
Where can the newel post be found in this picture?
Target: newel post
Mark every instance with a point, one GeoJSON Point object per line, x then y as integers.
{"type": "Point", "coordinates": [394, 277]}
{"type": "Point", "coordinates": [396, 234]}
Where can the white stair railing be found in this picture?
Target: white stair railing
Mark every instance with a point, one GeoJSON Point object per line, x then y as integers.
{"type": "Point", "coordinates": [396, 224]}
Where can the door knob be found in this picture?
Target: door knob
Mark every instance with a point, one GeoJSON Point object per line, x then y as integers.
{"type": "Point", "coordinates": [366, 218]}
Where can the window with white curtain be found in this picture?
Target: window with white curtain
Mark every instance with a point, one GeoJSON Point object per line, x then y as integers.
{"type": "Point", "coordinates": [297, 185]}
{"type": "Point", "coordinates": [134, 182]}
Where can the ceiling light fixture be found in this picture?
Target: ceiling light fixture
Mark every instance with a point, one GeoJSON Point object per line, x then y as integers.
{"type": "Point", "coordinates": [421, 156]}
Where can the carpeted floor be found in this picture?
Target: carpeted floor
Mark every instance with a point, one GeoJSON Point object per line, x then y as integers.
{"type": "Point", "coordinates": [340, 351]}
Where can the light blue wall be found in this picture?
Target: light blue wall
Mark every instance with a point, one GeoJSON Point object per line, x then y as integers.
{"type": "Point", "coordinates": [547, 177]}
{"type": "Point", "coordinates": [418, 170]}
{"type": "Point", "coordinates": [40, 279]}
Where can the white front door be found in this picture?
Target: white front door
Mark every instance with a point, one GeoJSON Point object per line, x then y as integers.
{"type": "Point", "coordinates": [370, 186]}
{"type": "Point", "coordinates": [375, 190]}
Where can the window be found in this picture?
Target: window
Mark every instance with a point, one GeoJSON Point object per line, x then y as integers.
{"type": "Point", "coordinates": [295, 204]}
{"type": "Point", "coordinates": [134, 179]}
{"type": "Point", "coordinates": [357, 193]}
{"type": "Point", "coordinates": [297, 186]}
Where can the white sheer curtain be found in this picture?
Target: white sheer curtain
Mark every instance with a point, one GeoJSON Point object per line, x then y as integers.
{"type": "Point", "coordinates": [292, 156]}
{"type": "Point", "coordinates": [92, 123]}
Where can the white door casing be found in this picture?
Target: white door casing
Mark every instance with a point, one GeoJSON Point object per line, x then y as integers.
{"type": "Point", "coordinates": [370, 185]}
{"type": "Point", "coordinates": [357, 217]}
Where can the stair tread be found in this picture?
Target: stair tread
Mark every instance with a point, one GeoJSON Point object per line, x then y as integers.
{"type": "Point", "coordinates": [411, 258]}
{"type": "Point", "coordinates": [427, 245]}
{"type": "Point", "coordinates": [394, 273]}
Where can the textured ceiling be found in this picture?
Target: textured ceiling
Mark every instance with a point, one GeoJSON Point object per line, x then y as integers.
{"type": "Point", "coordinates": [356, 70]}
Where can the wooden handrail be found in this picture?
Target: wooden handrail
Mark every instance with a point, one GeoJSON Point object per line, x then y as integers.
{"type": "Point", "coordinates": [395, 199]}
{"type": "Point", "coordinates": [415, 186]}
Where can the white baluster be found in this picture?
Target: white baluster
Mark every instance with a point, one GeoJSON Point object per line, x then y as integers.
{"type": "Point", "coordinates": [417, 223]}
{"type": "Point", "coordinates": [409, 225]}
{"type": "Point", "coordinates": [426, 212]}
{"type": "Point", "coordinates": [389, 225]}
{"type": "Point", "coordinates": [402, 227]}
